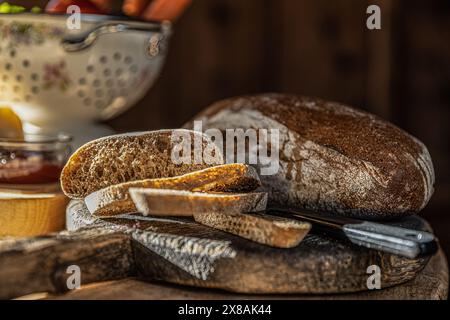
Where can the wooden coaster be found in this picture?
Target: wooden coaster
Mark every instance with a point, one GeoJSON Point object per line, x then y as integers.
{"type": "Point", "coordinates": [31, 214]}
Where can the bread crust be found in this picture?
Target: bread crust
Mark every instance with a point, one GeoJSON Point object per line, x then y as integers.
{"type": "Point", "coordinates": [168, 202]}
{"type": "Point", "coordinates": [127, 157]}
{"type": "Point", "coordinates": [116, 199]}
{"type": "Point", "coordinates": [268, 230]}
{"type": "Point", "coordinates": [333, 157]}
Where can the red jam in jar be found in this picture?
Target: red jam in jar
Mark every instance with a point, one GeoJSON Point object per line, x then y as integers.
{"type": "Point", "coordinates": [37, 160]}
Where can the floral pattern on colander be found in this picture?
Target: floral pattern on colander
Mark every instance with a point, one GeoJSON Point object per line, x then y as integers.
{"type": "Point", "coordinates": [18, 33]}
{"type": "Point", "coordinates": [55, 75]}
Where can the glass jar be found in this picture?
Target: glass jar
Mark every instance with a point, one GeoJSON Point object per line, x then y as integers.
{"type": "Point", "coordinates": [34, 162]}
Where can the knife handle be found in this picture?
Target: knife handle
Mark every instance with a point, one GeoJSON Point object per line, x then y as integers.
{"type": "Point", "coordinates": [397, 240]}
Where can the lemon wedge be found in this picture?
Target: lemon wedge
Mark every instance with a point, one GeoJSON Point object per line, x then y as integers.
{"type": "Point", "coordinates": [10, 124]}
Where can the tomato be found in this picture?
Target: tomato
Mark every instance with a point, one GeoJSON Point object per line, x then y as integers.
{"type": "Point", "coordinates": [60, 6]}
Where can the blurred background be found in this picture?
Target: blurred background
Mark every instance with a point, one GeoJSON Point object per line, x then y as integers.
{"type": "Point", "coordinates": [223, 48]}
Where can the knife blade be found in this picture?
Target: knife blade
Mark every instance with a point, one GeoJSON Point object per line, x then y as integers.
{"type": "Point", "coordinates": [379, 236]}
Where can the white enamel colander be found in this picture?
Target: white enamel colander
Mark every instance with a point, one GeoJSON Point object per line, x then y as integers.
{"type": "Point", "coordinates": [58, 79]}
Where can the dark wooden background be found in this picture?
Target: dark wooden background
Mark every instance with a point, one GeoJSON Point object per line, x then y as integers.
{"type": "Point", "coordinates": [223, 48]}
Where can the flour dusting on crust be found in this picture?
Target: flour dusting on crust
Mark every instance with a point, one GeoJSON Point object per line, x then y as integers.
{"type": "Point", "coordinates": [333, 157]}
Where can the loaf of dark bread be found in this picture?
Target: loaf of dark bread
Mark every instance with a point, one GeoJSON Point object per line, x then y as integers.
{"type": "Point", "coordinates": [129, 157]}
{"type": "Point", "coordinates": [332, 157]}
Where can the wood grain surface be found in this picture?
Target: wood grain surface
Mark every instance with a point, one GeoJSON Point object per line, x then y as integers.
{"type": "Point", "coordinates": [180, 251]}
{"type": "Point", "coordinates": [317, 265]}
{"type": "Point", "coordinates": [31, 214]}
{"type": "Point", "coordinates": [40, 264]}
{"type": "Point", "coordinates": [430, 284]}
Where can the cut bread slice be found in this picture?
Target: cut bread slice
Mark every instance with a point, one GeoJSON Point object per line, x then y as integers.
{"type": "Point", "coordinates": [116, 199]}
{"type": "Point", "coordinates": [168, 202]}
{"type": "Point", "coordinates": [259, 227]}
{"type": "Point", "coordinates": [136, 156]}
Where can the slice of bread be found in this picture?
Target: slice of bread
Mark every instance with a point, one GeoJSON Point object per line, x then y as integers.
{"type": "Point", "coordinates": [269, 230]}
{"type": "Point", "coordinates": [224, 178]}
{"type": "Point", "coordinates": [135, 156]}
{"type": "Point", "coordinates": [185, 203]}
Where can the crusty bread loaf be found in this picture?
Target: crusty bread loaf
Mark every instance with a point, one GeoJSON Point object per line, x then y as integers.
{"type": "Point", "coordinates": [116, 199]}
{"type": "Point", "coordinates": [127, 157]}
{"type": "Point", "coordinates": [185, 203]}
{"type": "Point", "coordinates": [333, 157]}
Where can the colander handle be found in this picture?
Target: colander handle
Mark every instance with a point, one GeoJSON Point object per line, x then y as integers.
{"type": "Point", "coordinates": [85, 40]}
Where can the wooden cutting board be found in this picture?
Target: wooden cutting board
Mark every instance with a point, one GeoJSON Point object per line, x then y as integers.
{"type": "Point", "coordinates": [430, 284]}
{"type": "Point", "coordinates": [183, 252]}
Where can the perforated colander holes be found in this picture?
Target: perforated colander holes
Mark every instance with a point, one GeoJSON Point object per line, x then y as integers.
{"type": "Point", "coordinates": [11, 88]}
{"type": "Point", "coordinates": [93, 94]}
{"type": "Point", "coordinates": [96, 83]}
{"type": "Point", "coordinates": [128, 60]}
{"type": "Point", "coordinates": [81, 93]}
{"type": "Point", "coordinates": [134, 68]}
{"type": "Point", "coordinates": [117, 56]}
{"type": "Point", "coordinates": [14, 77]}
{"type": "Point", "coordinates": [109, 83]}
{"type": "Point", "coordinates": [114, 75]}
{"type": "Point", "coordinates": [34, 78]}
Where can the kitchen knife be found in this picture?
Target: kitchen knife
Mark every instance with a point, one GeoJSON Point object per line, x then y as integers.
{"type": "Point", "coordinates": [397, 240]}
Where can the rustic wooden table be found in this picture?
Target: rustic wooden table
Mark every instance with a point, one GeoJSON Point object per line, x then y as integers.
{"type": "Point", "coordinates": [431, 283]}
